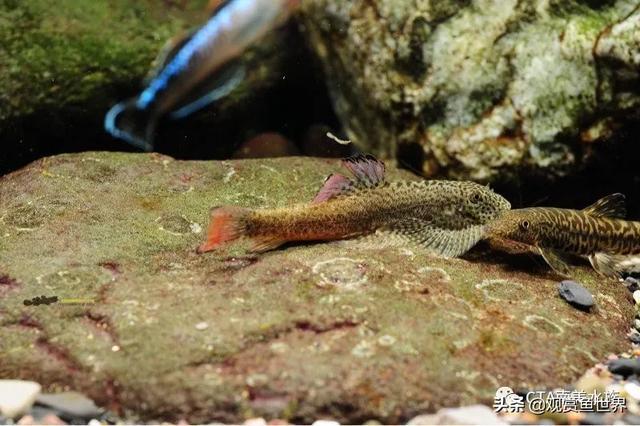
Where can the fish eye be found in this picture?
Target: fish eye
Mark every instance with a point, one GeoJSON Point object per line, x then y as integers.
{"type": "Point", "coordinates": [475, 197]}
{"type": "Point", "coordinates": [524, 224]}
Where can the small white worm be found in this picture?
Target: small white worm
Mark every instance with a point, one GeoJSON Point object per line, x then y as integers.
{"type": "Point", "coordinates": [340, 141]}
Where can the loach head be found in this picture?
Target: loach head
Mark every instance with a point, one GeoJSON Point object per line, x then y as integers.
{"type": "Point", "coordinates": [519, 225]}
{"type": "Point", "coordinates": [481, 204]}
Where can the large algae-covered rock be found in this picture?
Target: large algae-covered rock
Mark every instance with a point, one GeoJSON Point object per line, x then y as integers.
{"type": "Point", "coordinates": [482, 88]}
{"type": "Point", "coordinates": [78, 52]}
{"type": "Point", "coordinates": [64, 65]}
{"type": "Point", "coordinates": [352, 330]}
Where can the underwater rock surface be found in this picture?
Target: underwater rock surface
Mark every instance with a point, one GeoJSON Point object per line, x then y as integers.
{"type": "Point", "coordinates": [349, 330]}
{"type": "Point", "coordinates": [480, 89]}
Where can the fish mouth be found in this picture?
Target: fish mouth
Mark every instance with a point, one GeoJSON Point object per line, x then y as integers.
{"type": "Point", "coordinates": [509, 246]}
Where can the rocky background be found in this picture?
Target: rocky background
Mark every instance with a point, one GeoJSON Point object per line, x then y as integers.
{"type": "Point", "coordinates": [518, 92]}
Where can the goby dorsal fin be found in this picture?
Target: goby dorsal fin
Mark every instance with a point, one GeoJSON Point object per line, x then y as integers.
{"type": "Point", "coordinates": [610, 206]}
{"type": "Point", "coordinates": [367, 169]}
{"type": "Point", "coordinates": [335, 184]}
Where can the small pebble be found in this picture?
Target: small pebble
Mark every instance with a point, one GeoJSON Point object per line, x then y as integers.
{"type": "Point", "coordinates": [624, 367]}
{"type": "Point", "coordinates": [255, 422]}
{"type": "Point", "coordinates": [38, 412]}
{"type": "Point", "coordinates": [325, 423]}
{"type": "Point", "coordinates": [202, 326]}
{"type": "Point", "coordinates": [632, 284]}
{"type": "Point", "coordinates": [634, 336]}
{"type": "Point", "coordinates": [27, 420]}
{"type": "Point", "coordinates": [424, 419]}
{"type": "Point", "coordinates": [575, 294]}
{"type": "Point", "coordinates": [52, 419]}
{"type": "Point", "coordinates": [469, 415]}
{"type": "Point", "coordinates": [631, 419]}
{"type": "Point", "coordinates": [70, 405]}
{"type": "Point", "coordinates": [17, 396]}
{"type": "Point", "coordinates": [636, 296]}
{"type": "Point", "coordinates": [386, 340]}
{"type": "Point", "coordinates": [633, 390]}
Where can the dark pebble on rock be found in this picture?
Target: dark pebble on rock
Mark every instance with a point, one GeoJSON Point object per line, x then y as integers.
{"type": "Point", "coordinates": [632, 284]}
{"type": "Point", "coordinates": [39, 412]}
{"type": "Point", "coordinates": [634, 336]}
{"type": "Point", "coordinates": [634, 379]}
{"type": "Point", "coordinates": [575, 294]}
{"type": "Point", "coordinates": [624, 367]}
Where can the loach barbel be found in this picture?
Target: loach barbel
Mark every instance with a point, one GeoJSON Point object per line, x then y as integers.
{"type": "Point", "coordinates": [447, 217]}
{"type": "Point", "coordinates": [197, 69]}
{"type": "Point", "coordinates": [598, 232]}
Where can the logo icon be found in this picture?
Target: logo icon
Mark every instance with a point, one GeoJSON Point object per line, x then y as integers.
{"type": "Point", "coordinates": [508, 401]}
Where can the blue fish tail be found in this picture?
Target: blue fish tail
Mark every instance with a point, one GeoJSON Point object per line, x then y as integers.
{"type": "Point", "coordinates": [127, 122]}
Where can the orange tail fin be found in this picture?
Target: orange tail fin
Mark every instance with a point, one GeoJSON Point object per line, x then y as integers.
{"type": "Point", "coordinates": [227, 224]}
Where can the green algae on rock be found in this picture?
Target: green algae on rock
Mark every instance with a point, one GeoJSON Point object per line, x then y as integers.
{"type": "Point", "coordinates": [68, 54]}
{"type": "Point", "coordinates": [350, 330]}
{"type": "Point", "coordinates": [80, 53]}
{"type": "Point", "coordinates": [478, 89]}
{"type": "Point", "coordinates": [64, 66]}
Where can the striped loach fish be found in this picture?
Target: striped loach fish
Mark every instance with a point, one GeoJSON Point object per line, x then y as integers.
{"type": "Point", "coordinates": [598, 232]}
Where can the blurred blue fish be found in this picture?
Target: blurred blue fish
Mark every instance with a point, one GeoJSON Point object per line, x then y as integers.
{"type": "Point", "coordinates": [198, 69]}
